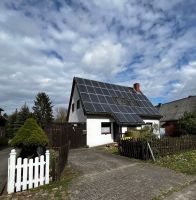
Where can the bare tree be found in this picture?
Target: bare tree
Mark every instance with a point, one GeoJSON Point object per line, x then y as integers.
{"type": "Point", "coordinates": [61, 114]}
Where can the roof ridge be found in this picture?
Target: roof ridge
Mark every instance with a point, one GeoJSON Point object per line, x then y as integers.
{"type": "Point", "coordinates": [191, 96]}
{"type": "Point", "coordinates": [104, 82]}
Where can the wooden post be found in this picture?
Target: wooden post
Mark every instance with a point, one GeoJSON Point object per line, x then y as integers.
{"type": "Point", "coordinates": [18, 179]}
{"type": "Point", "coordinates": [30, 173]}
{"type": "Point", "coordinates": [47, 166]}
{"type": "Point", "coordinates": [36, 172]}
{"type": "Point", "coordinates": [151, 152]}
{"type": "Point", "coordinates": [41, 170]}
{"type": "Point", "coordinates": [24, 178]}
{"type": "Point", "coordinates": [11, 172]}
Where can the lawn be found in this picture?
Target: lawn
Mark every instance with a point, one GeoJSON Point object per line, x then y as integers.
{"type": "Point", "coordinates": [184, 162]}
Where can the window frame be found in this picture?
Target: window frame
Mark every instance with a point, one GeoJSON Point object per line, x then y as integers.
{"type": "Point", "coordinates": [106, 125]}
{"type": "Point", "coordinates": [72, 107]}
{"type": "Point", "coordinates": [78, 104]}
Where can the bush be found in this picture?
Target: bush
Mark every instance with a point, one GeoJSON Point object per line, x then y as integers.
{"type": "Point", "coordinates": [145, 133]}
{"type": "Point", "coordinates": [187, 124]}
{"type": "Point", "coordinates": [29, 137]}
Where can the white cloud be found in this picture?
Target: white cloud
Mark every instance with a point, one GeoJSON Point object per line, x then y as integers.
{"type": "Point", "coordinates": [105, 57]}
{"type": "Point", "coordinates": [43, 48]}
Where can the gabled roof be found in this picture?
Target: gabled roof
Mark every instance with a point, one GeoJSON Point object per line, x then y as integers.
{"type": "Point", "coordinates": [174, 110]}
{"type": "Point", "coordinates": [122, 103]}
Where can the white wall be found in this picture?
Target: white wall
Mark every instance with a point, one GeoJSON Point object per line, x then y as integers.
{"type": "Point", "coordinates": [78, 114]}
{"type": "Point", "coordinates": [94, 135]}
{"type": "Point", "coordinates": [124, 129]}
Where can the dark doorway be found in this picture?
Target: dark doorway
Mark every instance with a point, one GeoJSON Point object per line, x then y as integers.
{"type": "Point", "coordinates": [117, 131]}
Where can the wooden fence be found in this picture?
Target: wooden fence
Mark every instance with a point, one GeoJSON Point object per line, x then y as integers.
{"type": "Point", "coordinates": [60, 134]}
{"type": "Point", "coordinates": [2, 131]}
{"type": "Point", "coordinates": [59, 162]}
{"type": "Point", "coordinates": [27, 173]}
{"type": "Point", "coordinates": [62, 137]}
{"type": "Point", "coordinates": [139, 148]}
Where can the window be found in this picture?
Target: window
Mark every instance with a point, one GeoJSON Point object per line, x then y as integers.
{"type": "Point", "coordinates": [78, 104]}
{"type": "Point", "coordinates": [72, 107]}
{"type": "Point", "coordinates": [105, 127]}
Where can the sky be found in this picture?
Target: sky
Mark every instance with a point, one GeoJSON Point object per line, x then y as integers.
{"type": "Point", "coordinates": [44, 44]}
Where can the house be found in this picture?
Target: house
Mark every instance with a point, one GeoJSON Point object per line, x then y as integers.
{"type": "Point", "coordinates": [2, 124]}
{"type": "Point", "coordinates": [173, 111]}
{"type": "Point", "coordinates": [109, 109]}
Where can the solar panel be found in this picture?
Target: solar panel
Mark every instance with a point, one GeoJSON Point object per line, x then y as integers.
{"type": "Point", "coordinates": [123, 103]}
{"type": "Point", "coordinates": [102, 98]}
{"type": "Point", "coordinates": [94, 98]}
{"type": "Point", "coordinates": [85, 97]}
{"type": "Point", "coordinates": [89, 107]}
{"type": "Point", "coordinates": [98, 90]}
{"type": "Point", "coordinates": [98, 107]}
{"type": "Point", "coordinates": [90, 89]}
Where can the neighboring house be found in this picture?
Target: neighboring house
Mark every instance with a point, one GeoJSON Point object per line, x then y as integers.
{"type": "Point", "coordinates": [108, 109]}
{"type": "Point", "coordinates": [2, 124]}
{"type": "Point", "coordinates": [173, 111]}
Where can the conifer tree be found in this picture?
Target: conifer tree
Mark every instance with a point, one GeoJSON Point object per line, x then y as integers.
{"type": "Point", "coordinates": [43, 109]}
{"type": "Point", "coordinates": [10, 128]}
{"type": "Point", "coordinates": [29, 137]}
{"type": "Point", "coordinates": [22, 116]}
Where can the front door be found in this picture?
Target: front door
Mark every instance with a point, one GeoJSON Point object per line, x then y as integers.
{"type": "Point", "coordinates": [116, 131]}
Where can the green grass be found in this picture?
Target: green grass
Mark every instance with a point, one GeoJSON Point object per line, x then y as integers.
{"type": "Point", "coordinates": [184, 162]}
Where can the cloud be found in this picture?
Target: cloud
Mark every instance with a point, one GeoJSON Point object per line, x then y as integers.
{"type": "Point", "coordinates": [44, 44]}
{"type": "Point", "coordinates": [105, 56]}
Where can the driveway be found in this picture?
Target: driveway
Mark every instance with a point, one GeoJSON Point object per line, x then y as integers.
{"type": "Point", "coordinates": [4, 154]}
{"type": "Point", "coordinates": [112, 177]}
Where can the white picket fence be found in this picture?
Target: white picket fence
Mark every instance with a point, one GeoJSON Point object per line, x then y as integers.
{"type": "Point", "coordinates": [27, 173]}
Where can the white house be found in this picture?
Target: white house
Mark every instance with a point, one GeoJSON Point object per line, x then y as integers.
{"type": "Point", "coordinates": [108, 109]}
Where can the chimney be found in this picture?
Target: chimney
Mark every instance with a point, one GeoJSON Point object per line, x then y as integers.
{"type": "Point", "coordinates": [136, 87]}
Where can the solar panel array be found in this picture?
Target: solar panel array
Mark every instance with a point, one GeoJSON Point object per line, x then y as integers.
{"type": "Point", "coordinates": [122, 103]}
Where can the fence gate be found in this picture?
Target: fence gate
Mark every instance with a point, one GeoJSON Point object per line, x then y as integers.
{"type": "Point", "coordinates": [27, 173]}
{"type": "Point", "coordinates": [61, 134]}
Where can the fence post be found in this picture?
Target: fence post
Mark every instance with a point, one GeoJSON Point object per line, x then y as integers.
{"type": "Point", "coordinates": [47, 166]}
{"type": "Point", "coordinates": [11, 172]}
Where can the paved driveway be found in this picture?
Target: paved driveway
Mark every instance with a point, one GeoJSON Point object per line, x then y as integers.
{"type": "Point", "coordinates": [4, 154]}
{"type": "Point", "coordinates": [107, 176]}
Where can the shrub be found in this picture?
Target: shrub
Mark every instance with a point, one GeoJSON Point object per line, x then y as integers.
{"type": "Point", "coordinates": [145, 133]}
{"type": "Point", "coordinates": [187, 124]}
{"type": "Point", "coordinates": [29, 137]}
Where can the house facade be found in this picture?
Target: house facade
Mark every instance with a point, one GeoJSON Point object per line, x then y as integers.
{"type": "Point", "coordinates": [108, 110]}
{"type": "Point", "coordinates": [172, 111]}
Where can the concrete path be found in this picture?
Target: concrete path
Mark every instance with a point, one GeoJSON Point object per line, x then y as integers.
{"type": "Point", "coordinates": [106, 176]}
{"type": "Point", "coordinates": [188, 193]}
{"type": "Point", "coordinates": [4, 154]}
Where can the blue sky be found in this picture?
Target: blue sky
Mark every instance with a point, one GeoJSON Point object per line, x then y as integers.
{"type": "Point", "coordinates": [44, 44]}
